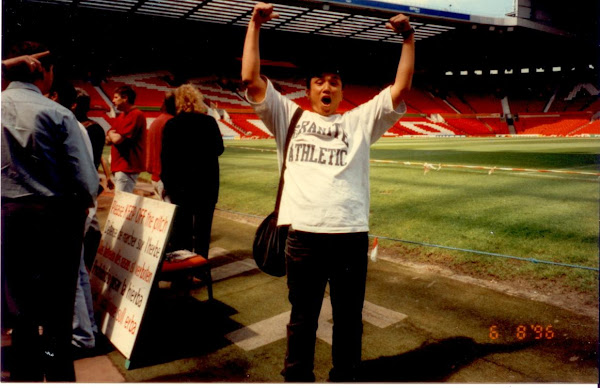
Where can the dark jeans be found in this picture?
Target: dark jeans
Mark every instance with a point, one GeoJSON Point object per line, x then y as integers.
{"type": "Point", "coordinates": [192, 227]}
{"type": "Point", "coordinates": [313, 260]}
{"type": "Point", "coordinates": [41, 251]}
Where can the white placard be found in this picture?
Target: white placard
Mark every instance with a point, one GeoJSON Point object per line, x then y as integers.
{"type": "Point", "coordinates": [132, 245]}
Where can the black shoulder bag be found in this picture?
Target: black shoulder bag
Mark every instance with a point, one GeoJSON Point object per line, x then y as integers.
{"type": "Point", "coordinates": [268, 249]}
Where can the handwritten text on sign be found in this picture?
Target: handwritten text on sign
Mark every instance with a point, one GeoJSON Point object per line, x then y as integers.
{"type": "Point", "coordinates": [134, 238]}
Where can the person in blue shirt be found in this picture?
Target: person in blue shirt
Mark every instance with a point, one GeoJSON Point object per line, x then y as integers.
{"type": "Point", "coordinates": [48, 182]}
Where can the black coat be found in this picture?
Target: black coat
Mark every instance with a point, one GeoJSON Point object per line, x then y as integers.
{"type": "Point", "coordinates": [191, 145]}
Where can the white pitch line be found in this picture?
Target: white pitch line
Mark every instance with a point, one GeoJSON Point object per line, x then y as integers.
{"type": "Point", "coordinates": [260, 333]}
{"type": "Point", "coordinates": [381, 316]}
{"type": "Point", "coordinates": [273, 329]}
{"type": "Point", "coordinates": [483, 168]}
{"type": "Point", "coordinates": [232, 269]}
{"type": "Point", "coordinates": [216, 252]}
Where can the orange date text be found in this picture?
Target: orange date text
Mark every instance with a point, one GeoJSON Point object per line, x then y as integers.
{"type": "Point", "coordinates": [523, 332]}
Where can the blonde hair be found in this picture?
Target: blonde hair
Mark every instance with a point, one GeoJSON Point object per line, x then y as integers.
{"type": "Point", "coordinates": [188, 99]}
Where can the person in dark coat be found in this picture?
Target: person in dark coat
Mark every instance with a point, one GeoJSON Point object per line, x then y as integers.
{"type": "Point", "coordinates": [191, 145]}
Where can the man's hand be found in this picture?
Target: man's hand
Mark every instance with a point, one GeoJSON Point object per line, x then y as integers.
{"type": "Point", "coordinates": [399, 23]}
{"type": "Point", "coordinates": [30, 62]}
{"type": "Point", "coordinates": [263, 13]}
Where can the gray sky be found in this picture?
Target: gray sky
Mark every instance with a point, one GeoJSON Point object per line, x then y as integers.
{"type": "Point", "coordinates": [497, 8]}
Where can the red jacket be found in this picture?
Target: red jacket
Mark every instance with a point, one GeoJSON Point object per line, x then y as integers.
{"type": "Point", "coordinates": [154, 145]}
{"type": "Point", "coordinates": [130, 155]}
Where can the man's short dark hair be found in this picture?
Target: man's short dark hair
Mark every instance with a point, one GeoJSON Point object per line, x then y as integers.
{"type": "Point", "coordinates": [82, 101]}
{"type": "Point", "coordinates": [65, 92]}
{"type": "Point", "coordinates": [127, 92]}
{"type": "Point", "coordinates": [168, 105]}
{"type": "Point", "coordinates": [319, 69]}
{"type": "Point", "coordinates": [22, 73]}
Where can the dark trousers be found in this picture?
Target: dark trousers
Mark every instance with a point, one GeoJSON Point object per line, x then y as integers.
{"type": "Point", "coordinates": [313, 260]}
{"type": "Point", "coordinates": [41, 248]}
{"type": "Point", "coordinates": [192, 227]}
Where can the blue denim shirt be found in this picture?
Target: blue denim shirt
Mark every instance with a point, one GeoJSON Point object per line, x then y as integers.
{"type": "Point", "coordinates": [43, 151]}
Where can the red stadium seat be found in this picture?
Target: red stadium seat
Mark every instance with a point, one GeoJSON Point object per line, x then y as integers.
{"type": "Point", "coordinates": [185, 271]}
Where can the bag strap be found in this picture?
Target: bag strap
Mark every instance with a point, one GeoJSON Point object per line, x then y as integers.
{"type": "Point", "coordinates": [290, 133]}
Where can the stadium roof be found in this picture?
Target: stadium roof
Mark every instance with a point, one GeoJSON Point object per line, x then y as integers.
{"type": "Point", "coordinates": [182, 35]}
{"type": "Point", "coordinates": [354, 19]}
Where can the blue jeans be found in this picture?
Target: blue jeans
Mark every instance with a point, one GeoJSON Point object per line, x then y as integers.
{"type": "Point", "coordinates": [313, 260]}
{"type": "Point", "coordinates": [125, 181]}
{"type": "Point", "coordinates": [84, 323]}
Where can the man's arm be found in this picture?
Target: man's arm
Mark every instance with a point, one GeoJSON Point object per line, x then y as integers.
{"type": "Point", "coordinates": [129, 127]}
{"type": "Point", "coordinates": [251, 57]}
{"type": "Point", "coordinates": [109, 182]}
{"type": "Point", "coordinates": [406, 66]}
{"type": "Point", "coordinates": [113, 137]}
{"type": "Point", "coordinates": [31, 61]}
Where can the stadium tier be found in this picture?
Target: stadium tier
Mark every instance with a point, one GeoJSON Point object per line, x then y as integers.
{"type": "Point", "coordinates": [150, 87]}
{"type": "Point", "coordinates": [249, 125]}
{"type": "Point", "coordinates": [483, 103]}
{"type": "Point", "coordinates": [471, 126]}
{"type": "Point", "coordinates": [524, 105]}
{"type": "Point", "coordinates": [422, 126]}
{"type": "Point", "coordinates": [592, 128]}
{"type": "Point", "coordinates": [425, 102]}
{"type": "Point", "coordinates": [97, 100]}
{"type": "Point", "coordinates": [554, 125]}
{"type": "Point", "coordinates": [496, 124]}
{"type": "Point", "coordinates": [459, 104]}
{"type": "Point", "coordinates": [458, 114]}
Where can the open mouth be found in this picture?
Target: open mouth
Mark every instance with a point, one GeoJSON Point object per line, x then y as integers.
{"type": "Point", "coordinates": [326, 100]}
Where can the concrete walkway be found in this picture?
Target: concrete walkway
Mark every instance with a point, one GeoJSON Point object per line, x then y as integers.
{"type": "Point", "coordinates": [418, 327]}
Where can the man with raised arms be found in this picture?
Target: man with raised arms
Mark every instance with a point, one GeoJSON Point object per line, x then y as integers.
{"type": "Point", "coordinates": [326, 196]}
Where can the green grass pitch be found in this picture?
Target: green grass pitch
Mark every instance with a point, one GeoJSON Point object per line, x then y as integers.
{"type": "Point", "coordinates": [550, 216]}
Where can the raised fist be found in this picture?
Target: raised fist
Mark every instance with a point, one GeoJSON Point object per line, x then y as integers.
{"type": "Point", "coordinates": [399, 23]}
{"type": "Point", "coordinates": [263, 12]}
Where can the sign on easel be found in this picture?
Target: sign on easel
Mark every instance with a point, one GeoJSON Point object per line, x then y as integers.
{"type": "Point", "coordinates": [129, 255]}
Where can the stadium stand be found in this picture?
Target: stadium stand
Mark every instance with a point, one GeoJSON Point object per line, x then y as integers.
{"type": "Point", "coordinates": [458, 103]}
{"type": "Point", "coordinates": [97, 101]}
{"type": "Point", "coordinates": [592, 128]}
{"type": "Point", "coordinates": [552, 125]}
{"type": "Point", "coordinates": [480, 103]}
{"type": "Point", "coordinates": [576, 98]}
{"type": "Point", "coordinates": [249, 125]}
{"type": "Point", "coordinates": [150, 87]}
{"type": "Point", "coordinates": [418, 126]}
{"type": "Point", "coordinates": [471, 126]}
{"type": "Point", "coordinates": [526, 105]}
{"type": "Point", "coordinates": [497, 125]}
{"type": "Point", "coordinates": [229, 130]}
{"type": "Point", "coordinates": [220, 97]}
{"type": "Point", "coordinates": [425, 102]}
{"type": "Point", "coordinates": [457, 114]}
{"type": "Point", "coordinates": [358, 94]}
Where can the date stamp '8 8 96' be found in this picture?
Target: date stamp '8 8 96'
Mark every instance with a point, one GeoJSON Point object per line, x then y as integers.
{"type": "Point", "coordinates": [523, 332]}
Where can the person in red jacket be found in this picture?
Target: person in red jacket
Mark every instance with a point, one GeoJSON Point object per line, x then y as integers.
{"type": "Point", "coordinates": [128, 140]}
{"type": "Point", "coordinates": [154, 143]}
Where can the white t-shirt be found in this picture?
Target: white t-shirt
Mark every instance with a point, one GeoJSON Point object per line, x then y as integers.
{"type": "Point", "coordinates": [326, 186]}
